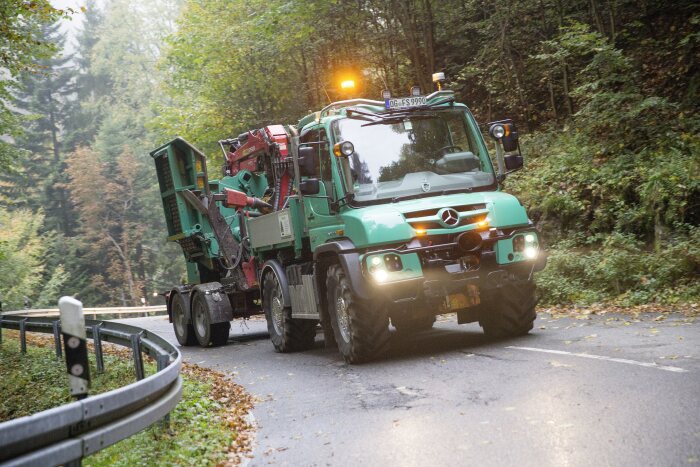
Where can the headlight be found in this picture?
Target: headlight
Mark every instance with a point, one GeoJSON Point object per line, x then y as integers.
{"type": "Point", "coordinates": [380, 275]}
{"type": "Point", "coordinates": [498, 131]}
{"type": "Point", "coordinates": [529, 238]}
{"type": "Point", "coordinates": [530, 252]}
{"type": "Point", "coordinates": [343, 149]}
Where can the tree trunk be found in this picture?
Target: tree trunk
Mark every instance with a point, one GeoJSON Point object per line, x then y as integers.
{"type": "Point", "coordinates": [565, 79]}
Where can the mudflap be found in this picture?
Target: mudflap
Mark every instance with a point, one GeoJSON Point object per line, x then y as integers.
{"type": "Point", "coordinates": [218, 303]}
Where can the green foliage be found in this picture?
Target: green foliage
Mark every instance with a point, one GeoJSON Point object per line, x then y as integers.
{"type": "Point", "coordinates": [605, 95]}
{"type": "Point", "coordinates": [620, 268]}
{"type": "Point", "coordinates": [21, 44]}
{"type": "Point", "coordinates": [23, 271]}
{"type": "Point", "coordinates": [197, 436]}
{"type": "Point", "coordinates": [42, 375]}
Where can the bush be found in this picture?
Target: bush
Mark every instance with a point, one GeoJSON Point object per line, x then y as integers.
{"type": "Point", "coordinates": [618, 268]}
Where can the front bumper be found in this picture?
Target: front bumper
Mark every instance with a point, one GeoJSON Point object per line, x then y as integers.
{"type": "Point", "coordinates": [444, 272]}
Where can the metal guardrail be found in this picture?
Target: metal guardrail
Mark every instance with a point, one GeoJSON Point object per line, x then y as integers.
{"type": "Point", "coordinates": [72, 431]}
{"type": "Point", "coordinates": [90, 311]}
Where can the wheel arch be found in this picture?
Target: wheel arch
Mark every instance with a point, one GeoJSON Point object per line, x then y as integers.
{"type": "Point", "coordinates": [344, 253]}
{"type": "Point", "coordinates": [274, 267]}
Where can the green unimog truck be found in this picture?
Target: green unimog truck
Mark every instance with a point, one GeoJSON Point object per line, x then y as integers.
{"type": "Point", "coordinates": [364, 214]}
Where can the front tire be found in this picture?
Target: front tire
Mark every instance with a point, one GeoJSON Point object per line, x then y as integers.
{"type": "Point", "coordinates": [206, 332]}
{"type": "Point", "coordinates": [184, 331]}
{"type": "Point", "coordinates": [508, 311]}
{"type": "Point", "coordinates": [286, 333]}
{"type": "Point", "coordinates": [362, 334]}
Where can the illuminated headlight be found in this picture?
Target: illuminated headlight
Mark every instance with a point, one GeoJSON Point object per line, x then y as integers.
{"type": "Point", "coordinates": [530, 252]}
{"type": "Point", "coordinates": [529, 238]}
{"type": "Point", "coordinates": [380, 275]}
{"type": "Point", "coordinates": [376, 261]}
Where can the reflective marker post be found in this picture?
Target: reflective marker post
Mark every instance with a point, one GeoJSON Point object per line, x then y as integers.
{"type": "Point", "coordinates": [75, 345]}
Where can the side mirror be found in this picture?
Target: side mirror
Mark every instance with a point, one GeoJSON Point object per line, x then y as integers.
{"type": "Point", "coordinates": [310, 186]}
{"type": "Point", "coordinates": [308, 161]}
{"type": "Point", "coordinates": [513, 162]}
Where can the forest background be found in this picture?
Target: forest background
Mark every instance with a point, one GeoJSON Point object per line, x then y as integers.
{"type": "Point", "coordinates": [605, 94]}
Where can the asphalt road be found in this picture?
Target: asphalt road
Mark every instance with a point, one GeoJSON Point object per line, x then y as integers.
{"type": "Point", "coordinates": [608, 390]}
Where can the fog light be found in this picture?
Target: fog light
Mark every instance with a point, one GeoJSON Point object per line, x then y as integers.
{"type": "Point", "coordinates": [530, 252]}
{"type": "Point", "coordinates": [393, 263]}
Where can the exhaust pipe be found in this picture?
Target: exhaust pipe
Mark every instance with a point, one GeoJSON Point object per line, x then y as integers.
{"type": "Point", "coordinates": [469, 241]}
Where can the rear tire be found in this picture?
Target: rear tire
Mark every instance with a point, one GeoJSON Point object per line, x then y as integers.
{"type": "Point", "coordinates": [508, 311]}
{"type": "Point", "coordinates": [184, 331]}
{"type": "Point", "coordinates": [286, 333]}
{"type": "Point", "coordinates": [362, 334]}
{"type": "Point", "coordinates": [206, 332]}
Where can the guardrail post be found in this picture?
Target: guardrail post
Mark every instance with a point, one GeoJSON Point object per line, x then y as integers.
{"type": "Point", "coordinates": [75, 342]}
{"type": "Point", "coordinates": [0, 330]}
{"type": "Point", "coordinates": [163, 361]}
{"type": "Point", "coordinates": [23, 335]}
{"type": "Point", "coordinates": [97, 341]}
{"type": "Point", "coordinates": [57, 337]}
{"type": "Point", "coordinates": [138, 360]}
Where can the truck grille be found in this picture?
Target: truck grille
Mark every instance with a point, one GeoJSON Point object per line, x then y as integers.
{"type": "Point", "coordinates": [428, 218]}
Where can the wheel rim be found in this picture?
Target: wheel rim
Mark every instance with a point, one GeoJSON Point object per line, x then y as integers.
{"type": "Point", "coordinates": [179, 316]}
{"type": "Point", "coordinates": [199, 318]}
{"type": "Point", "coordinates": [277, 311]}
{"type": "Point", "coordinates": [343, 318]}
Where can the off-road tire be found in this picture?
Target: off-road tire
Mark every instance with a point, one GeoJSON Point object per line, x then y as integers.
{"type": "Point", "coordinates": [508, 311]}
{"type": "Point", "coordinates": [408, 325]}
{"type": "Point", "coordinates": [206, 332]}
{"type": "Point", "coordinates": [361, 332]}
{"type": "Point", "coordinates": [184, 331]}
{"type": "Point", "coordinates": [286, 333]}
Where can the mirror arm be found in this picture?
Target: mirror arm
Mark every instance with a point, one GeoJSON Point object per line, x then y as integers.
{"type": "Point", "coordinates": [501, 175]}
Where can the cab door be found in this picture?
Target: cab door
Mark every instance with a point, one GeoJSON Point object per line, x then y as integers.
{"type": "Point", "coordinates": [323, 225]}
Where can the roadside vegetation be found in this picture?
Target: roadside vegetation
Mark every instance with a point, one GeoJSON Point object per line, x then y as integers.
{"type": "Point", "coordinates": [605, 95]}
{"type": "Point", "coordinates": [208, 426]}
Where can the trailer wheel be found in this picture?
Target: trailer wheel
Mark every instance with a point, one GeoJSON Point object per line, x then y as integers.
{"type": "Point", "coordinates": [407, 325]}
{"type": "Point", "coordinates": [510, 311]}
{"type": "Point", "coordinates": [362, 333]}
{"type": "Point", "coordinates": [286, 333]}
{"type": "Point", "coordinates": [207, 333]}
{"type": "Point", "coordinates": [184, 331]}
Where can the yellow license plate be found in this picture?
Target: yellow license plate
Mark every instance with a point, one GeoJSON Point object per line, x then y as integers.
{"type": "Point", "coordinates": [457, 301]}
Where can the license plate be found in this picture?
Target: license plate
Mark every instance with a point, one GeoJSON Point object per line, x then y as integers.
{"type": "Point", "coordinates": [457, 301]}
{"type": "Point", "coordinates": [405, 102]}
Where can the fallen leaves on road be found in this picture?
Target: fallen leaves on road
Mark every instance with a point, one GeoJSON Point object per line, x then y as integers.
{"type": "Point", "coordinates": [689, 310]}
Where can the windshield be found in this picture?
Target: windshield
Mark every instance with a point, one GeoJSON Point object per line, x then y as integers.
{"type": "Point", "coordinates": [422, 153]}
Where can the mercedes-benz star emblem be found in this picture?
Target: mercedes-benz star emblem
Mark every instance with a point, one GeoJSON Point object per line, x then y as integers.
{"type": "Point", "coordinates": [449, 217]}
